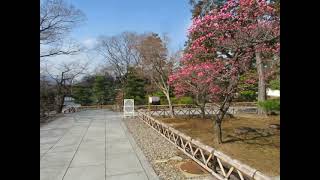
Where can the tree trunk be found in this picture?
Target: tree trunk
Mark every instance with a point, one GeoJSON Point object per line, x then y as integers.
{"type": "Point", "coordinates": [170, 105]}
{"type": "Point", "coordinates": [203, 112]}
{"type": "Point", "coordinates": [262, 83]}
{"type": "Point", "coordinates": [218, 132]}
{"type": "Point", "coordinates": [218, 122]}
{"type": "Point", "coordinates": [223, 109]}
{"type": "Point", "coordinates": [200, 102]}
{"type": "Point", "coordinates": [59, 103]}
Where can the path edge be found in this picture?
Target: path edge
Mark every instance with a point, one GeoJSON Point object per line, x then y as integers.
{"type": "Point", "coordinates": [151, 174]}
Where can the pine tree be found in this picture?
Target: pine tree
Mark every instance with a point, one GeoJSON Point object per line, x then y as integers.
{"type": "Point", "coordinates": [103, 89]}
{"type": "Point", "coordinates": [134, 88]}
{"type": "Point", "coordinates": [82, 95]}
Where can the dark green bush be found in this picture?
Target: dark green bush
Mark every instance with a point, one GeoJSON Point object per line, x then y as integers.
{"type": "Point", "coordinates": [183, 100]}
{"type": "Point", "coordinates": [270, 105]}
{"type": "Point", "coordinates": [248, 95]}
{"type": "Point", "coordinates": [186, 100]}
{"type": "Point", "coordinates": [275, 84]}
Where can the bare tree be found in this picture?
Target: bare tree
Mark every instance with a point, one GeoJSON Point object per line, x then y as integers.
{"type": "Point", "coordinates": [155, 64]}
{"type": "Point", "coordinates": [120, 52]}
{"type": "Point", "coordinates": [65, 75]}
{"type": "Point", "coordinates": [46, 97]}
{"type": "Point", "coordinates": [57, 19]}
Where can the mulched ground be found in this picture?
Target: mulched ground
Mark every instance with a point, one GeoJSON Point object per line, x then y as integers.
{"type": "Point", "coordinates": [249, 138]}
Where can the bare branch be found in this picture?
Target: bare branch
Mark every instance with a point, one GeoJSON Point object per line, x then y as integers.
{"type": "Point", "coordinates": [57, 19]}
{"type": "Point", "coordinates": [119, 51]}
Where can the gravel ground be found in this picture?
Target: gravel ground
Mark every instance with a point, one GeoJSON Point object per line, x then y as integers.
{"type": "Point", "coordinates": [162, 155]}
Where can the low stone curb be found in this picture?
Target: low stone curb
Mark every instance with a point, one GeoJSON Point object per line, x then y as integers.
{"type": "Point", "coordinates": [151, 174]}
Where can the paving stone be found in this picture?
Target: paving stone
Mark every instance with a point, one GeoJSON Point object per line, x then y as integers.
{"type": "Point", "coordinates": [69, 141]}
{"type": "Point", "coordinates": [131, 176]}
{"type": "Point", "coordinates": [49, 140]}
{"type": "Point", "coordinates": [85, 173]}
{"type": "Point", "coordinates": [119, 147]}
{"type": "Point", "coordinates": [86, 157]}
{"type": "Point", "coordinates": [68, 148]}
{"type": "Point", "coordinates": [56, 159]}
{"type": "Point", "coordinates": [53, 173]}
{"type": "Point", "coordinates": [126, 163]}
{"type": "Point", "coordinates": [88, 145]}
{"type": "Point", "coordinates": [94, 145]}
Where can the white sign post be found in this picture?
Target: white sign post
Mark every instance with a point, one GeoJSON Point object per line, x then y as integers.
{"type": "Point", "coordinates": [153, 99]}
{"type": "Point", "coordinates": [128, 107]}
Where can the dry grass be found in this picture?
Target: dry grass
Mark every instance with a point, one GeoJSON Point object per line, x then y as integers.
{"type": "Point", "coordinates": [259, 148]}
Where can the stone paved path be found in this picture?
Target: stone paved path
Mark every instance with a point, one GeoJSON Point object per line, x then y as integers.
{"type": "Point", "coordinates": [91, 145]}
